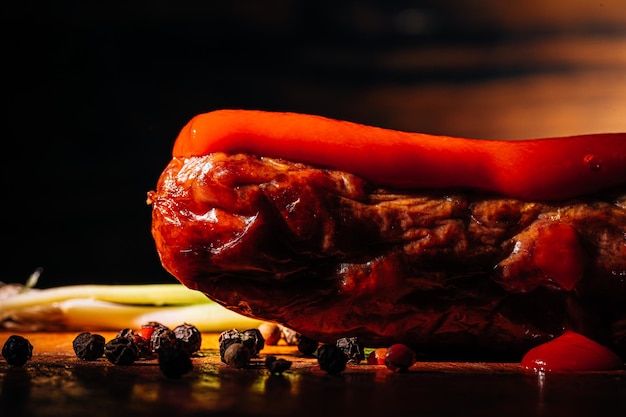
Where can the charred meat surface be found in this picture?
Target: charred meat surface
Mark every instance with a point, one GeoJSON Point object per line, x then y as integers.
{"type": "Point", "coordinates": [450, 273]}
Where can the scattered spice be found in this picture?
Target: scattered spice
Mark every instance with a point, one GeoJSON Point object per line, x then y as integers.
{"type": "Point", "coordinates": [162, 337]}
{"type": "Point", "coordinates": [307, 346]}
{"type": "Point", "coordinates": [289, 336]}
{"type": "Point", "coordinates": [154, 325]}
{"type": "Point", "coordinates": [377, 356]}
{"type": "Point", "coordinates": [144, 332]}
{"type": "Point", "coordinates": [399, 357]}
{"type": "Point", "coordinates": [352, 348]}
{"type": "Point", "coordinates": [253, 340]}
{"type": "Point", "coordinates": [126, 332]}
{"type": "Point", "coordinates": [237, 355]}
{"type": "Point", "coordinates": [331, 359]}
{"type": "Point", "coordinates": [189, 338]}
{"type": "Point", "coordinates": [277, 365]}
{"type": "Point", "coordinates": [89, 346]}
{"type": "Point", "coordinates": [143, 344]}
{"type": "Point", "coordinates": [121, 350]}
{"type": "Point", "coordinates": [173, 347]}
{"type": "Point", "coordinates": [226, 339]}
{"type": "Point", "coordinates": [17, 350]}
{"type": "Point", "coordinates": [174, 362]}
{"type": "Point", "coordinates": [270, 332]}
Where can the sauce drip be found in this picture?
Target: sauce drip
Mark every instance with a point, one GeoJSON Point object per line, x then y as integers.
{"type": "Point", "coordinates": [571, 352]}
{"type": "Point", "coordinates": [559, 254]}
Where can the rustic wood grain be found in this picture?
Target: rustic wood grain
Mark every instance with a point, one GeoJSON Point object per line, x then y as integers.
{"type": "Point", "coordinates": [56, 383]}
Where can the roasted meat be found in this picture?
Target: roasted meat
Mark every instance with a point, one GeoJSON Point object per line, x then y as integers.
{"type": "Point", "coordinates": [452, 273]}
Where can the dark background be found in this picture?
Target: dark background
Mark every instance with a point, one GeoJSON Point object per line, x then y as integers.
{"type": "Point", "coordinates": [96, 92]}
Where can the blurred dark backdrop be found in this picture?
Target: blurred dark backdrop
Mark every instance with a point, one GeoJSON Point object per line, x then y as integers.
{"type": "Point", "coordinates": [96, 92]}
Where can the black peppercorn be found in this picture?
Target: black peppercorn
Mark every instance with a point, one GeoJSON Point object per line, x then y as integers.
{"type": "Point", "coordinates": [189, 338]}
{"type": "Point", "coordinates": [174, 362]}
{"type": "Point", "coordinates": [353, 349]}
{"type": "Point", "coordinates": [162, 337]}
{"type": "Point", "coordinates": [331, 359]}
{"type": "Point", "coordinates": [17, 350]}
{"type": "Point", "coordinates": [154, 325]}
{"type": "Point", "coordinates": [121, 351]}
{"type": "Point", "coordinates": [229, 334]}
{"type": "Point", "coordinates": [144, 346]}
{"type": "Point", "coordinates": [277, 365]}
{"type": "Point", "coordinates": [307, 346]}
{"type": "Point", "coordinates": [89, 346]}
{"type": "Point", "coordinates": [237, 355]}
{"type": "Point", "coordinates": [253, 340]}
{"type": "Point", "coordinates": [226, 339]}
{"type": "Point", "coordinates": [126, 332]}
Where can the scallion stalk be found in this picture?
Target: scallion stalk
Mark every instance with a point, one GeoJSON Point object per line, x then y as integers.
{"type": "Point", "coordinates": [113, 307]}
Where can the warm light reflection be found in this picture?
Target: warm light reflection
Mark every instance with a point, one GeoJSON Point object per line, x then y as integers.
{"type": "Point", "coordinates": [541, 380]}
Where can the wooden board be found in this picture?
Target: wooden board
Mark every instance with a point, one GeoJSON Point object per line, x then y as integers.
{"type": "Point", "coordinates": [56, 383]}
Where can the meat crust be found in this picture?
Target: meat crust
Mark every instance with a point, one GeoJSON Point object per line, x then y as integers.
{"type": "Point", "coordinates": [452, 273]}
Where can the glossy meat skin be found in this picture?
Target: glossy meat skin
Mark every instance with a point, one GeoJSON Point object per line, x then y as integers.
{"type": "Point", "coordinates": [452, 273]}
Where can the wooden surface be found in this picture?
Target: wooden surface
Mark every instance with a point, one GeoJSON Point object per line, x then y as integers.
{"type": "Point", "coordinates": [56, 383]}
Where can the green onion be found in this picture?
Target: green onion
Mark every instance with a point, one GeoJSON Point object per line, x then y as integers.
{"type": "Point", "coordinates": [114, 307]}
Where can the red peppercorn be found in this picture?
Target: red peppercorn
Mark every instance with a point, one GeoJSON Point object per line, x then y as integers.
{"type": "Point", "coordinates": [377, 356]}
{"type": "Point", "coordinates": [399, 357]}
{"type": "Point", "coordinates": [271, 333]}
{"type": "Point", "coordinates": [145, 332]}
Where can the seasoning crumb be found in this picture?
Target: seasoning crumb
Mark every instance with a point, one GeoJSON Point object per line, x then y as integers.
{"type": "Point", "coordinates": [277, 365]}
{"type": "Point", "coordinates": [88, 346]}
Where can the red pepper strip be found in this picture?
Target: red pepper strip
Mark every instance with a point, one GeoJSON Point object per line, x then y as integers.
{"type": "Point", "coordinates": [534, 169]}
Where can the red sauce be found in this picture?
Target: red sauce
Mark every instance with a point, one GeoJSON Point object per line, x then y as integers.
{"type": "Point", "coordinates": [571, 352]}
{"type": "Point", "coordinates": [533, 169]}
{"type": "Point", "coordinates": [559, 254]}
